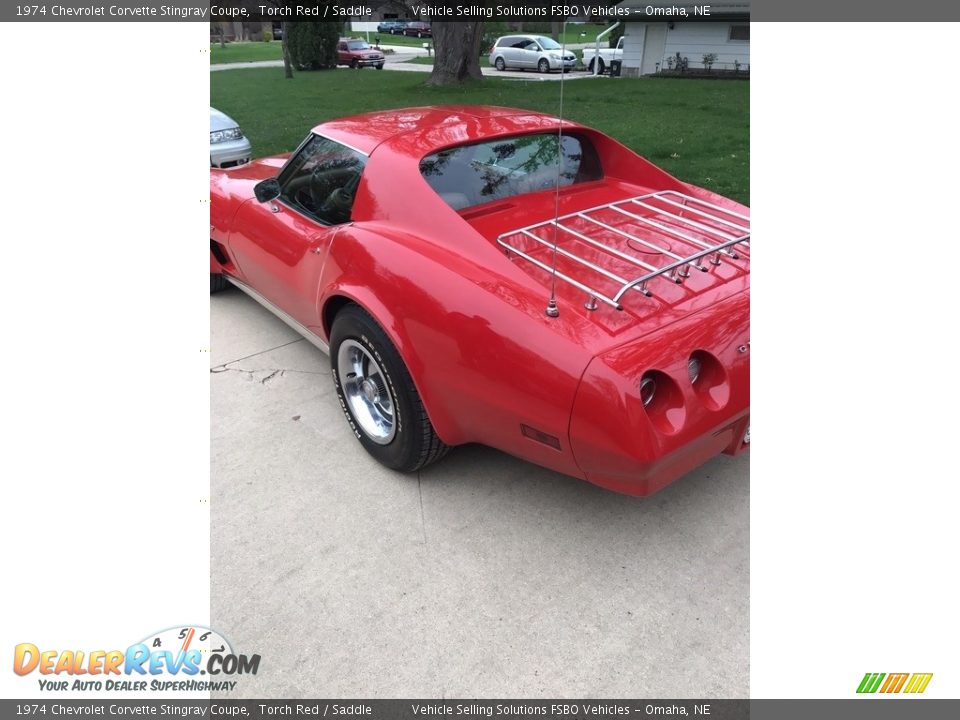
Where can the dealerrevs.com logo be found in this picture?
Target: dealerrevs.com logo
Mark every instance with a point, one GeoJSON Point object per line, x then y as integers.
{"type": "Point", "coordinates": [910, 683]}
{"type": "Point", "coordinates": [172, 659]}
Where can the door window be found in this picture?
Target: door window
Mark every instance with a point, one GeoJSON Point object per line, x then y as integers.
{"type": "Point", "coordinates": [322, 179]}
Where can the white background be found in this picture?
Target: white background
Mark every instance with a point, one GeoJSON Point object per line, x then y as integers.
{"type": "Point", "coordinates": [854, 493]}
{"type": "Point", "coordinates": [105, 469]}
{"type": "Point", "coordinates": [854, 479]}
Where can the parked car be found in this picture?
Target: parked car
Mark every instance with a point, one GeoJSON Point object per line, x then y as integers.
{"type": "Point", "coordinates": [607, 56]}
{"type": "Point", "coordinates": [391, 27]}
{"type": "Point", "coordinates": [531, 52]}
{"type": "Point", "coordinates": [418, 29]}
{"type": "Point", "coordinates": [228, 146]}
{"type": "Point", "coordinates": [488, 275]}
{"type": "Point", "coordinates": [356, 53]}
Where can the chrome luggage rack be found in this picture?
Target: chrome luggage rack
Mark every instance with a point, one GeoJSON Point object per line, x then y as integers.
{"type": "Point", "coordinates": [711, 231]}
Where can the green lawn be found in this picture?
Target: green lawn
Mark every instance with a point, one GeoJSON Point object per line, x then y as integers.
{"type": "Point", "coordinates": [697, 130]}
{"type": "Point", "coordinates": [245, 52]}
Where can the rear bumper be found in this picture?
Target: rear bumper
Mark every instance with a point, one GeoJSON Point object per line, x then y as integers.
{"type": "Point", "coordinates": [646, 478]}
{"type": "Point", "coordinates": [636, 449]}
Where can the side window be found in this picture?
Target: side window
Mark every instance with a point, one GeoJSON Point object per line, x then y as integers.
{"type": "Point", "coordinates": [471, 175]}
{"type": "Point", "coordinates": [321, 180]}
{"type": "Point", "coordinates": [342, 46]}
{"type": "Point", "coordinates": [519, 43]}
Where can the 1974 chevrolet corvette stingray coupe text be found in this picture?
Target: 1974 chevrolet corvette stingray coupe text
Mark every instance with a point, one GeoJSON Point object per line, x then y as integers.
{"type": "Point", "coordinates": [498, 276]}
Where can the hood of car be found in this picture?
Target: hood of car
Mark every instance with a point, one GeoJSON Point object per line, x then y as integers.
{"type": "Point", "coordinates": [221, 121]}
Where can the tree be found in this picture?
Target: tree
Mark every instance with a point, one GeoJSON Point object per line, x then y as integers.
{"type": "Point", "coordinates": [219, 28]}
{"type": "Point", "coordinates": [285, 47]}
{"type": "Point", "coordinates": [285, 38]}
{"type": "Point", "coordinates": [313, 45]}
{"type": "Point", "coordinates": [457, 52]}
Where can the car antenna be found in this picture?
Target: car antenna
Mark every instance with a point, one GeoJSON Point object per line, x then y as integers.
{"type": "Point", "coordinates": [552, 309]}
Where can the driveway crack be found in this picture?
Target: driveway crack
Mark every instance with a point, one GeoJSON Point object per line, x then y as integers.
{"type": "Point", "coordinates": [423, 522]}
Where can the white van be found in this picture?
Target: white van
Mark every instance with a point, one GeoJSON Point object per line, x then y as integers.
{"type": "Point", "coordinates": [531, 52]}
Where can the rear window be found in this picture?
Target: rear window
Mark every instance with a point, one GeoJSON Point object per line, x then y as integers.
{"type": "Point", "coordinates": [474, 174]}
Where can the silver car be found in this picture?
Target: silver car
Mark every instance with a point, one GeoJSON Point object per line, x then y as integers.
{"type": "Point", "coordinates": [228, 146]}
{"type": "Point", "coordinates": [531, 52]}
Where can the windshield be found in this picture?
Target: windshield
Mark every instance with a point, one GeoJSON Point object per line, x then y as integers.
{"type": "Point", "coordinates": [358, 45]}
{"type": "Point", "coordinates": [475, 174]}
{"type": "Point", "coordinates": [548, 44]}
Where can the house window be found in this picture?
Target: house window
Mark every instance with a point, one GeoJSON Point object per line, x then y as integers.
{"type": "Point", "coordinates": [740, 32]}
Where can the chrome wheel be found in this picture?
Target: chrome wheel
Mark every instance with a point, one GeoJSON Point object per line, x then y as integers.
{"type": "Point", "coordinates": [367, 392]}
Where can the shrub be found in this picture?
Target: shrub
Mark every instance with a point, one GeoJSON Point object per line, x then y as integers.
{"type": "Point", "coordinates": [616, 34]}
{"type": "Point", "coordinates": [491, 31]}
{"type": "Point", "coordinates": [313, 45]}
{"type": "Point", "coordinates": [266, 35]}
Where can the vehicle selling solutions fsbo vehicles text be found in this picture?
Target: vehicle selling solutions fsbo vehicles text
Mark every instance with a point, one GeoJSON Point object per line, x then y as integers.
{"type": "Point", "coordinates": [450, 12]}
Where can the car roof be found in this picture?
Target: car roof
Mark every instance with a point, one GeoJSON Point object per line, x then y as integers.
{"type": "Point", "coordinates": [425, 129]}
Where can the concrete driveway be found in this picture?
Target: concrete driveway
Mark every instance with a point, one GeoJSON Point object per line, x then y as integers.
{"type": "Point", "coordinates": [483, 577]}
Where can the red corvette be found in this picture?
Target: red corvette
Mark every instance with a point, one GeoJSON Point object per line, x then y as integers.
{"type": "Point", "coordinates": [497, 276]}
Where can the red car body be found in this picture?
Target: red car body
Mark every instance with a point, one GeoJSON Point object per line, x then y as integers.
{"type": "Point", "coordinates": [418, 29]}
{"type": "Point", "coordinates": [355, 53]}
{"type": "Point", "coordinates": [467, 314]}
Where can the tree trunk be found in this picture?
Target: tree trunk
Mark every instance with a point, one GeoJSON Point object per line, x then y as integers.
{"type": "Point", "coordinates": [285, 46]}
{"type": "Point", "coordinates": [456, 52]}
{"type": "Point", "coordinates": [556, 27]}
{"type": "Point", "coordinates": [223, 40]}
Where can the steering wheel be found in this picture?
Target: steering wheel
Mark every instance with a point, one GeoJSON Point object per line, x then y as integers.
{"type": "Point", "coordinates": [338, 203]}
{"type": "Point", "coordinates": [319, 187]}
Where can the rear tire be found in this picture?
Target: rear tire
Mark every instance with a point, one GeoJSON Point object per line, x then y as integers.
{"type": "Point", "coordinates": [218, 282]}
{"type": "Point", "coordinates": [601, 65]}
{"type": "Point", "coordinates": [499, 64]}
{"type": "Point", "coordinates": [377, 394]}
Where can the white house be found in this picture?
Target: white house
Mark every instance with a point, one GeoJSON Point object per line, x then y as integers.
{"type": "Point", "coordinates": [649, 47]}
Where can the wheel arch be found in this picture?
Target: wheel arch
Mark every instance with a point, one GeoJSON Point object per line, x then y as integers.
{"type": "Point", "coordinates": [368, 300]}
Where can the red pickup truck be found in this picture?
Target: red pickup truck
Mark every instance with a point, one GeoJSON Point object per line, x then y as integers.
{"type": "Point", "coordinates": [356, 53]}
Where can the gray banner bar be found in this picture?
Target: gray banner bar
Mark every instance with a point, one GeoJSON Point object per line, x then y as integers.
{"type": "Point", "coordinates": [341, 10]}
{"type": "Point", "coordinates": [873, 708]}
{"type": "Point", "coordinates": [382, 709]}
